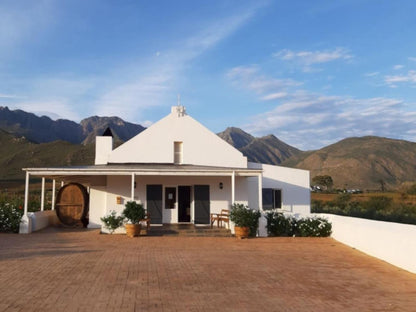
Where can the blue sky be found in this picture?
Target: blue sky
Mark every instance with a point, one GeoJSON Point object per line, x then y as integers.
{"type": "Point", "coordinates": [309, 72]}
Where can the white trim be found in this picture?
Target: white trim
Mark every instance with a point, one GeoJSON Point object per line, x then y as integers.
{"type": "Point", "coordinates": [132, 187]}
{"type": "Point", "coordinates": [26, 193]}
{"type": "Point", "coordinates": [260, 192]}
{"type": "Point", "coordinates": [53, 194]}
{"type": "Point", "coordinates": [233, 188]}
{"type": "Point", "coordinates": [42, 195]}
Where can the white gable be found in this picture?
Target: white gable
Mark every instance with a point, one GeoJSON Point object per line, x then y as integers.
{"type": "Point", "coordinates": [199, 145]}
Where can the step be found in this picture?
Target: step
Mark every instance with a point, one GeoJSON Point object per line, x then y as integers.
{"type": "Point", "coordinates": [188, 230]}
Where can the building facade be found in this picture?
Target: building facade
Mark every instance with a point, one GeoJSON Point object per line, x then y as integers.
{"type": "Point", "coordinates": [181, 172]}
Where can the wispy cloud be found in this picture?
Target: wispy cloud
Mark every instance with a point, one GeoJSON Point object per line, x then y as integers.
{"type": "Point", "coordinates": [17, 21]}
{"type": "Point", "coordinates": [274, 96]}
{"type": "Point", "coordinates": [397, 67]}
{"type": "Point", "coordinates": [128, 88]}
{"type": "Point", "coordinates": [314, 121]}
{"type": "Point", "coordinates": [145, 89]}
{"type": "Point", "coordinates": [8, 96]}
{"type": "Point", "coordinates": [310, 120]}
{"type": "Point", "coordinates": [249, 77]}
{"type": "Point", "coordinates": [307, 59]}
{"type": "Point", "coordinates": [372, 74]}
{"type": "Point", "coordinates": [393, 80]}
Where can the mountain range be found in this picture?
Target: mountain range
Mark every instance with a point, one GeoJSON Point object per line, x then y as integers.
{"type": "Point", "coordinates": [363, 162]}
{"type": "Point", "coordinates": [43, 129]}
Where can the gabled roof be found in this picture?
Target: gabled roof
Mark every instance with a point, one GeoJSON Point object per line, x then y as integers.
{"type": "Point", "coordinates": [200, 145]}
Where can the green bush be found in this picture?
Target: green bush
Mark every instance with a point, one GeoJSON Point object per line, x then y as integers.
{"type": "Point", "coordinates": [381, 208]}
{"type": "Point", "coordinates": [112, 221]}
{"type": "Point", "coordinates": [133, 212]}
{"type": "Point", "coordinates": [317, 227]}
{"type": "Point", "coordinates": [243, 216]}
{"type": "Point", "coordinates": [10, 217]}
{"type": "Point", "coordinates": [280, 225]}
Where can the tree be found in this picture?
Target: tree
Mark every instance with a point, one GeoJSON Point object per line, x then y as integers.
{"type": "Point", "coordinates": [323, 180]}
{"type": "Point", "coordinates": [382, 185]}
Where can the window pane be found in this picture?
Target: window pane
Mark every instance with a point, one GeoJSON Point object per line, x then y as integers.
{"type": "Point", "coordinates": [267, 199]}
{"type": "Point", "coordinates": [277, 198]}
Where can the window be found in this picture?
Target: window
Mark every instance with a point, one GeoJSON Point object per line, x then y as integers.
{"type": "Point", "coordinates": [272, 199]}
{"type": "Point", "coordinates": [178, 152]}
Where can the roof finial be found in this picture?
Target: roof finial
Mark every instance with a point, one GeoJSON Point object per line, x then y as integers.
{"type": "Point", "coordinates": [180, 110]}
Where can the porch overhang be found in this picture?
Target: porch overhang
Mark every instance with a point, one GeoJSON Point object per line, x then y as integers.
{"type": "Point", "coordinates": [140, 169]}
{"type": "Point", "coordinates": [88, 174]}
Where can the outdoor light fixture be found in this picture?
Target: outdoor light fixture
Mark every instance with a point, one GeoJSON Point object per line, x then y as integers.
{"type": "Point", "coordinates": [221, 186]}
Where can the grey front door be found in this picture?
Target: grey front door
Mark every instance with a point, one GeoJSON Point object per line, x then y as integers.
{"type": "Point", "coordinates": [154, 195]}
{"type": "Point", "coordinates": [202, 204]}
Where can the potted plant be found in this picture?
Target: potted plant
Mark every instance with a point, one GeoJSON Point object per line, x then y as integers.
{"type": "Point", "coordinates": [133, 212]}
{"type": "Point", "coordinates": [246, 220]}
{"type": "Point", "coordinates": [112, 221]}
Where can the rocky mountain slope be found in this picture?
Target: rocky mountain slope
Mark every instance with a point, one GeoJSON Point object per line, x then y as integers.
{"type": "Point", "coordinates": [21, 153]}
{"type": "Point", "coordinates": [363, 162]}
{"type": "Point", "coordinates": [266, 150]}
{"type": "Point", "coordinates": [43, 129]}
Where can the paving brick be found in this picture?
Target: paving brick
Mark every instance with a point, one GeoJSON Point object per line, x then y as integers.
{"type": "Point", "coordinates": [82, 270]}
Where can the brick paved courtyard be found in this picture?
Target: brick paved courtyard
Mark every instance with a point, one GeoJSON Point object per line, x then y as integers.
{"type": "Point", "coordinates": [79, 270]}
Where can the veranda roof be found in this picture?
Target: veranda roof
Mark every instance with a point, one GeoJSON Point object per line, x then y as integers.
{"type": "Point", "coordinates": [141, 169]}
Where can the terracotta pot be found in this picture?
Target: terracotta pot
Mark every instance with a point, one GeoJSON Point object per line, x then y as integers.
{"type": "Point", "coordinates": [133, 230]}
{"type": "Point", "coordinates": [241, 232]}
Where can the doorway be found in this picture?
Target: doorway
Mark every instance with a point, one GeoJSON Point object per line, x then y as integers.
{"type": "Point", "coordinates": [184, 203]}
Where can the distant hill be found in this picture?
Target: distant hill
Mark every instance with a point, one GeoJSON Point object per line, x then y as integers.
{"type": "Point", "coordinates": [21, 153]}
{"type": "Point", "coordinates": [32, 141]}
{"type": "Point", "coordinates": [361, 162]}
{"type": "Point", "coordinates": [266, 150]}
{"type": "Point", "coordinates": [43, 129]}
{"type": "Point", "coordinates": [121, 129]}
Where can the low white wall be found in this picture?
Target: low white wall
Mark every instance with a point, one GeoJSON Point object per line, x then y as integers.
{"type": "Point", "coordinates": [42, 219]}
{"type": "Point", "coordinates": [392, 242]}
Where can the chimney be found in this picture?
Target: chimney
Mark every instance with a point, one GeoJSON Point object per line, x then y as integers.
{"type": "Point", "coordinates": [103, 147]}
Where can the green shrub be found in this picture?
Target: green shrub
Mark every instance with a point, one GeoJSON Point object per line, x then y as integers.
{"type": "Point", "coordinates": [133, 212]}
{"type": "Point", "coordinates": [243, 216]}
{"type": "Point", "coordinates": [10, 217]}
{"type": "Point", "coordinates": [280, 225]}
{"type": "Point", "coordinates": [317, 227]}
{"type": "Point", "coordinates": [381, 208]}
{"type": "Point", "coordinates": [112, 221]}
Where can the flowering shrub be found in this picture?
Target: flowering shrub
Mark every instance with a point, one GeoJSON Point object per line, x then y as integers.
{"type": "Point", "coordinates": [112, 221]}
{"type": "Point", "coordinates": [10, 216]}
{"type": "Point", "coordinates": [243, 216]}
{"type": "Point", "coordinates": [280, 225]}
{"type": "Point", "coordinates": [318, 227]}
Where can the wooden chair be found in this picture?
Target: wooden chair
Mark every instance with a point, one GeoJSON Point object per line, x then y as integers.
{"type": "Point", "coordinates": [223, 216]}
{"type": "Point", "coordinates": [147, 220]}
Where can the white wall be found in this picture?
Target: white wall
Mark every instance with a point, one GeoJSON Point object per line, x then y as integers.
{"type": "Point", "coordinates": [200, 145]}
{"type": "Point", "coordinates": [103, 148]}
{"type": "Point", "coordinates": [98, 206]}
{"type": "Point", "coordinates": [294, 184]}
{"type": "Point", "coordinates": [121, 185]}
{"type": "Point", "coordinates": [392, 242]}
{"type": "Point", "coordinates": [42, 219]}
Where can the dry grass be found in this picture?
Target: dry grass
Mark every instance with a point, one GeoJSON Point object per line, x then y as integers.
{"type": "Point", "coordinates": [397, 197]}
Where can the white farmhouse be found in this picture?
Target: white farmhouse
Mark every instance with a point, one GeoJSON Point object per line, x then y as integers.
{"type": "Point", "coordinates": [181, 172]}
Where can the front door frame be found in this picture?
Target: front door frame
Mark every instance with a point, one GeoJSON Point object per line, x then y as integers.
{"type": "Point", "coordinates": [183, 216]}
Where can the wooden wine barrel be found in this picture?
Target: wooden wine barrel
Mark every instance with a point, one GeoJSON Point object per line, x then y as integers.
{"type": "Point", "coordinates": [72, 203]}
